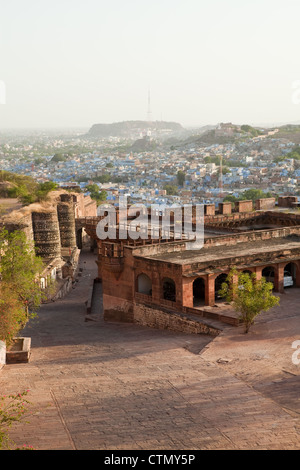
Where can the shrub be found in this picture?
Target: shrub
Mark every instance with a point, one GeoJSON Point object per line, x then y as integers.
{"type": "Point", "coordinates": [13, 316]}
{"type": "Point", "coordinates": [12, 409]}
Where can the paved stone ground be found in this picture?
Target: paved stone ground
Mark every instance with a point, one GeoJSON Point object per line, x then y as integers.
{"type": "Point", "coordinates": [96, 385]}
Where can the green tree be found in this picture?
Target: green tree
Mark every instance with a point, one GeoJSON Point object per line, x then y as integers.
{"type": "Point", "coordinates": [171, 189]}
{"type": "Point", "coordinates": [248, 295]}
{"type": "Point", "coordinates": [58, 157]}
{"type": "Point", "coordinates": [20, 271]}
{"type": "Point", "coordinates": [180, 178]}
{"type": "Point", "coordinates": [44, 189]}
{"type": "Point", "coordinates": [12, 315]}
{"type": "Point", "coordinates": [254, 194]}
{"type": "Point", "coordinates": [230, 198]}
{"type": "Point", "coordinates": [96, 194]}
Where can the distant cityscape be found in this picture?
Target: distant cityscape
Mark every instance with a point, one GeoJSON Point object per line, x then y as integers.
{"type": "Point", "coordinates": [162, 164]}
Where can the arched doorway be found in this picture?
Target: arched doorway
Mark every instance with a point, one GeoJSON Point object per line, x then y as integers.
{"type": "Point", "coordinates": [247, 271]}
{"type": "Point", "coordinates": [169, 289]}
{"type": "Point", "coordinates": [144, 284]}
{"type": "Point", "coordinates": [218, 285]}
{"type": "Point", "coordinates": [199, 292]}
{"type": "Point", "coordinates": [269, 274]}
{"type": "Point", "coordinates": [290, 275]}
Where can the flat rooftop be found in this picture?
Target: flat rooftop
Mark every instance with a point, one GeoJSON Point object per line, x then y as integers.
{"type": "Point", "coordinates": [211, 253]}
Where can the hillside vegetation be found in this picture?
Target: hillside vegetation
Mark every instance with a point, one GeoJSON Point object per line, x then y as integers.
{"type": "Point", "coordinates": [25, 188]}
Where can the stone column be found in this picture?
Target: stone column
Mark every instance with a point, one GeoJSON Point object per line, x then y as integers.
{"type": "Point", "coordinates": [279, 275]}
{"type": "Point", "coordinates": [297, 280]}
{"type": "Point", "coordinates": [187, 292]}
{"type": "Point", "coordinates": [210, 290]}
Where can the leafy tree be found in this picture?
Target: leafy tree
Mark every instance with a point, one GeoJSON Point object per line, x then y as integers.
{"type": "Point", "coordinates": [230, 198]}
{"type": "Point", "coordinates": [250, 194]}
{"type": "Point", "coordinates": [172, 190]}
{"type": "Point", "coordinates": [254, 194]}
{"type": "Point", "coordinates": [12, 315]}
{"type": "Point", "coordinates": [180, 177]}
{"type": "Point", "coordinates": [58, 157]}
{"type": "Point", "coordinates": [20, 271]}
{"type": "Point", "coordinates": [249, 296]}
{"type": "Point", "coordinates": [44, 189]}
{"type": "Point", "coordinates": [95, 193]}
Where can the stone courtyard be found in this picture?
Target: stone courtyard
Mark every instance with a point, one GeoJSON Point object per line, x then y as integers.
{"type": "Point", "coordinates": [101, 385]}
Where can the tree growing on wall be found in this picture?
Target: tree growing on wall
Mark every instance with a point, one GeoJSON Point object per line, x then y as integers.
{"type": "Point", "coordinates": [248, 295]}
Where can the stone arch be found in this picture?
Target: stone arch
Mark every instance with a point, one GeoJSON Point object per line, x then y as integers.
{"type": "Point", "coordinates": [219, 280]}
{"type": "Point", "coordinates": [269, 274]}
{"type": "Point", "coordinates": [169, 289]}
{"type": "Point", "coordinates": [247, 271]}
{"type": "Point", "coordinates": [290, 274]}
{"type": "Point", "coordinates": [144, 284]}
{"type": "Point", "coordinates": [199, 291]}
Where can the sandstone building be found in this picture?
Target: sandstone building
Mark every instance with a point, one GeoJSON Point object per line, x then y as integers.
{"type": "Point", "coordinates": [160, 283]}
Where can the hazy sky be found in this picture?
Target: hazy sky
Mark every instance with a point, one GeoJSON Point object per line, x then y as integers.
{"type": "Point", "coordinates": [68, 63]}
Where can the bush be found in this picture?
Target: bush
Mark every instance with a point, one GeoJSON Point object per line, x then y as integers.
{"type": "Point", "coordinates": [12, 409]}
{"type": "Point", "coordinates": [13, 315]}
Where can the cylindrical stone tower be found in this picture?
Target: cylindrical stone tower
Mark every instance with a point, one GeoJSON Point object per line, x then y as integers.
{"type": "Point", "coordinates": [66, 220]}
{"type": "Point", "coordinates": [46, 234]}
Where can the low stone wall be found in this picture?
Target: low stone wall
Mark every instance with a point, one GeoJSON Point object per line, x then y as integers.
{"type": "Point", "coordinates": [19, 352]}
{"type": "Point", "coordinates": [246, 237]}
{"type": "Point", "coordinates": [154, 317]}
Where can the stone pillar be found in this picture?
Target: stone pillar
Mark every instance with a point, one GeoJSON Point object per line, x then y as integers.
{"type": "Point", "coordinates": [187, 292]}
{"type": "Point", "coordinates": [210, 290]}
{"type": "Point", "coordinates": [258, 272]}
{"type": "Point", "coordinates": [297, 280]}
{"type": "Point", "coordinates": [279, 275]}
{"type": "Point", "coordinates": [156, 287]}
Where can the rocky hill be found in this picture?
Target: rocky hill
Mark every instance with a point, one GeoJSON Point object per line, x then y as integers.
{"type": "Point", "coordinates": [126, 128]}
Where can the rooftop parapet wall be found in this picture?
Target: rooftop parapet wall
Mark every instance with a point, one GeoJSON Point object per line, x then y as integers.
{"type": "Point", "coordinates": [265, 204]}
{"type": "Point", "coordinates": [244, 206]}
{"type": "Point", "coordinates": [287, 201]}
